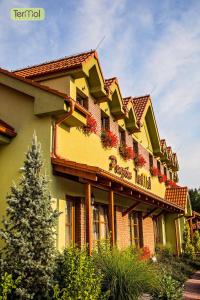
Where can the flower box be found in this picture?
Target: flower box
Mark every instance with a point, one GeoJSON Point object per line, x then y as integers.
{"type": "Point", "coordinates": [91, 126]}
{"type": "Point", "coordinates": [171, 183]}
{"type": "Point", "coordinates": [109, 139]}
{"type": "Point", "coordinates": [126, 152]}
{"type": "Point", "coordinates": [162, 178]}
{"type": "Point", "coordinates": [139, 161]}
{"type": "Point", "coordinates": [154, 171]}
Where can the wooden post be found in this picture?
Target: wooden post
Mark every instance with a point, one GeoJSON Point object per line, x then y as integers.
{"type": "Point", "coordinates": [191, 228]}
{"type": "Point", "coordinates": [111, 218]}
{"type": "Point", "coordinates": [89, 235]}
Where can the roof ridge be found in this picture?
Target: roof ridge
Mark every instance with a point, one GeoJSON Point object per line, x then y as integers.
{"type": "Point", "coordinates": [139, 97]}
{"type": "Point", "coordinates": [112, 78]}
{"type": "Point", "coordinates": [54, 60]}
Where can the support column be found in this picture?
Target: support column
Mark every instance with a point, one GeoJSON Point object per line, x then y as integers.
{"type": "Point", "coordinates": [111, 218]}
{"type": "Point", "coordinates": [191, 228]}
{"type": "Point", "coordinates": [89, 235]}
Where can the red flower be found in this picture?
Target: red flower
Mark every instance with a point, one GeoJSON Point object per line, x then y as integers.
{"type": "Point", "coordinates": [171, 183]}
{"type": "Point", "coordinates": [109, 139]}
{"type": "Point", "coordinates": [145, 253]}
{"type": "Point", "coordinates": [91, 126]}
{"type": "Point", "coordinates": [162, 178]}
{"type": "Point", "coordinates": [126, 152]}
{"type": "Point", "coordinates": [139, 161]}
{"type": "Point", "coordinates": [154, 171]}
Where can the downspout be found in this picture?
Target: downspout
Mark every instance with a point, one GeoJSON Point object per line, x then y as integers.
{"type": "Point", "coordinates": [57, 124]}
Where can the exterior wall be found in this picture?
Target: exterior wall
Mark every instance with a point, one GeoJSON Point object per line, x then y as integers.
{"type": "Point", "coordinates": [148, 234]}
{"type": "Point", "coordinates": [17, 109]}
{"type": "Point", "coordinates": [122, 229]}
{"type": "Point", "coordinates": [171, 231]}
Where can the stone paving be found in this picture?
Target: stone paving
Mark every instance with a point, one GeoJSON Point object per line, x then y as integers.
{"type": "Point", "coordinates": [192, 288]}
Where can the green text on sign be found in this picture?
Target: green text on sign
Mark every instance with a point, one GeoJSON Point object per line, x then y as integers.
{"type": "Point", "coordinates": [27, 14]}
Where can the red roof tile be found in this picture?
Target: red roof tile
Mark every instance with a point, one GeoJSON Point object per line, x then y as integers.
{"type": "Point", "coordinates": [177, 195]}
{"type": "Point", "coordinates": [139, 105]}
{"type": "Point", "coordinates": [63, 64]}
{"type": "Point", "coordinates": [6, 129]}
{"type": "Point", "coordinates": [110, 81]}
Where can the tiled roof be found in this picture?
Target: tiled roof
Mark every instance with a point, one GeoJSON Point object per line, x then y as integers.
{"type": "Point", "coordinates": [6, 129]}
{"type": "Point", "coordinates": [43, 87]}
{"type": "Point", "coordinates": [177, 195]}
{"type": "Point", "coordinates": [162, 142]}
{"type": "Point", "coordinates": [63, 64]}
{"type": "Point", "coordinates": [110, 81]}
{"type": "Point", "coordinates": [139, 105]}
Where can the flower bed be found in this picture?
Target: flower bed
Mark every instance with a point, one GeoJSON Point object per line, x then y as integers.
{"type": "Point", "coordinates": [109, 139]}
{"type": "Point", "coordinates": [126, 152]}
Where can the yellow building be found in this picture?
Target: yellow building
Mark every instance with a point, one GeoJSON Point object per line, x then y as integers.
{"type": "Point", "coordinates": [111, 174]}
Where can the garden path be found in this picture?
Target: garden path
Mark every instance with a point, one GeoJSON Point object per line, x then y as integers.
{"type": "Point", "coordinates": [192, 288]}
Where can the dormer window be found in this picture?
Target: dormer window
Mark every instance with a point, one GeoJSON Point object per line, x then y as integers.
{"type": "Point", "coordinates": [82, 99]}
{"type": "Point", "coordinates": [105, 122]}
{"type": "Point", "coordinates": [135, 147]}
{"type": "Point", "coordinates": [158, 165]}
{"type": "Point", "coordinates": [165, 171]}
{"type": "Point", "coordinates": [150, 161]}
{"type": "Point", "coordinates": [122, 136]}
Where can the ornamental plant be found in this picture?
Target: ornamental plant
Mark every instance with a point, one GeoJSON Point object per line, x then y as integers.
{"type": "Point", "coordinates": [126, 152]}
{"type": "Point", "coordinates": [196, 241]}
{"type": "Point", "coordinates": [171, 183]}
{"type": "Point", "coordinates": [29, 230]}
{"type": "Point", "coordinates": [154, 171]}
{"type": "Point", "coordinates": [162, 178]}
{"type": "Point", "coordinates": [188, 248]}
{"type": "Point", "coordinates": [145, 253]}
{"type": "Point", "coordinates": [139, 161]}
{"type": "Point", "coordinates": [91, 126]}
{"type": "Point", "coordinates": [109, 139]}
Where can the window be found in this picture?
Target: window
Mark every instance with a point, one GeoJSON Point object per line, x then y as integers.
{"type": "Point", "coordinates": [100, 223]}
{"type": "Point", "coordinates": [70, 222]}
{"type": "Point", "coordinates": [158, 165]}
{"type": "Point", "coordinates": [105, 123]}
{"type": "Point", "coordinates": [135, 147]}
{"type": "Point", "coordinates": [150, 161]}
{"type": "Point", "coordinates": [135, 231]}
{"type": "Point", "coordinates": [122, 137]}
{"type": "Point", "coordinates": [82, 100]}
{"type": "Point", "coordinates": [170, 175]}
{"type": "Point", "coordinates": [165, 171]}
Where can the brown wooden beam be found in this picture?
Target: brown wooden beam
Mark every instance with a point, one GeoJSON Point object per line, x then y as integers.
{"type": "Point", "coordinates": [117, 187]}
{"type": "Point", "coordinates": [89, 235]}
{"type": "Point", "coordinates": [104, 181]}
{"type": "Point", "coordinates": [111, 217]}
{"type": "Point", "coordinates": [149, 213]}
{"type": "Point", "coordinates": [160, 213]}
{"type": "Point", "coordinates": [74, 172]}
{"type": "Point", "coordinates": [130, 209]}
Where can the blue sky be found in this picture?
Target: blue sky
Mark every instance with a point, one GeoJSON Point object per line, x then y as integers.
{"type": "Point", "coordinates": [152, 47]}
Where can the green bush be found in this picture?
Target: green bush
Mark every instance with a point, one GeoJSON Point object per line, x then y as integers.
{"type": "Point", "coordinates": [125, 276]}
{"type": "Point", "coordinates": [169, 288]}
{"type": "Point", "coordinates": [7, 285]}
{"type": "Point", "coordinates": [196, 241]}
{"type": "Point", "coordinates": [76, 277]}
{"type": "Point", "coordinates": [188, 248]}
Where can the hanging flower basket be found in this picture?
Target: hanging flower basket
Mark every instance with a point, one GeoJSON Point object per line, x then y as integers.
{"type": "Point", "coordinates": [126, 152]}
{"type": "Point", "coordinates": [162, 178]}
{"type": "Point", "coordinates": [154, 171]}
{"type": "Point", "coordinates": [139, 161]}
{"type": "Point", "coordinates": [109, 139]}
{"type": "Point", "coordinates": [145, 253]}
{"type": "Point", "coordinates": [91, 126]}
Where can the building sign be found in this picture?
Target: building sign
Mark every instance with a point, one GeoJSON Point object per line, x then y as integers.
{"type": "Point", "coordinates": [143, 180]}
{"type": "Point", "coordinates": [123, 172]}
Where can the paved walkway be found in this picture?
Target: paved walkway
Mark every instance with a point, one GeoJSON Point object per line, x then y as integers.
{"type": "Point", "coordinates": [192, 287]}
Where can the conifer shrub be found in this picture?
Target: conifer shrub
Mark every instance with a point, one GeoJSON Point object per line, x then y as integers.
{"type": "Point", "coordinates": [188, 248]}
{"type": "Point", "coordinates": [29, 231]}
{"type": "Point", "coordinates": [196, 241]}
{"type": "Point", "coordinates": [76, 277]}
{"type": "Point", "coordinates": [7, 285]}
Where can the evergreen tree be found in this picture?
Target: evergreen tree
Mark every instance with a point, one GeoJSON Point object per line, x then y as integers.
{"type": "Point", "coordinates": [195, 199]}
{"type": "Point", "coordinates": [196, 241]}
{"type": "Point", "coordinates": [188, 248]}
{"type": "Point", "coordinates": [29, 230]}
